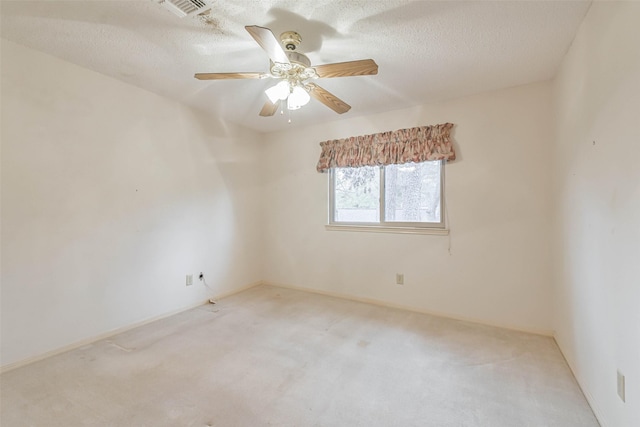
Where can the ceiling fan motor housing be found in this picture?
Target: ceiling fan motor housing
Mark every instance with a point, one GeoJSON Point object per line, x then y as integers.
{"type": "Point", "coordinates": [299, 68]}
{"type": "Point", "coordinates": [298, 58]}
{"type": "Point", "coordinates": [290, 40]}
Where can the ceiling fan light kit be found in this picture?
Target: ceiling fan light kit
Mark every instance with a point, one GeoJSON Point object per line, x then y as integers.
{"type": "Point", "coordinates": [298, 98]}
{"type": "Point", "coordinates": [294, 71]}
{"type": "Point", "coordinates": [279, 92]}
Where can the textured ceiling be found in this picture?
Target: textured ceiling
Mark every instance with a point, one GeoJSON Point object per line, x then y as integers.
{"type": "Point", "coordinates": [426, 51]}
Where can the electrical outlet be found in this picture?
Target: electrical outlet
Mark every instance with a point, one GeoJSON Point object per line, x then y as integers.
{"type": "Point", "coordinates": [621, 386]}
{"type": "Point", "coordinates": [399, 278]}
{"type": "Point", "coordinates": [189, 279]}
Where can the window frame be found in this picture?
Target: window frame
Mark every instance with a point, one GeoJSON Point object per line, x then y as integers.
{"type": "Point", "coordinates": [388, 226]}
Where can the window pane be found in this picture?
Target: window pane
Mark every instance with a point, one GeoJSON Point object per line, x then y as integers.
{"type": "Point", "coordinates": [412, 192]}
{"type": "Point", "coordinates": [357, 194]}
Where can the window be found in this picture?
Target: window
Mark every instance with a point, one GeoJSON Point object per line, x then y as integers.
{"type": "Point", "coordinates": [402, 196]}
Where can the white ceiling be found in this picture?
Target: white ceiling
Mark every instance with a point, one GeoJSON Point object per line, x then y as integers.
{"type": "Point", "coordinates": [427, 51]}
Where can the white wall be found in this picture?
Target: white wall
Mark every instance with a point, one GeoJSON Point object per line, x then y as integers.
{"type": "Point", "coordinates": [597, 208]}
{"type": "Point", "coordinates": [110, 196]}
{"type": "Point", "coordinates": [498, 196]}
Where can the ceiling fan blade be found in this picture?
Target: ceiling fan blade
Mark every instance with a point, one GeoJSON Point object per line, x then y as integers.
{"type": "Point", "coordinates": [363, 67]}
{"type": "Point", "coordinates": [226, 76]}
{"type": "Point", "coordinates": [269, 109]}
{"type": "Point", "coordinates": [269, 43]}
{"type": "Point", "coordinates": [328, 99]}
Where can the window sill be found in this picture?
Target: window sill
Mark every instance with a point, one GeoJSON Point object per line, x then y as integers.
{"type": "Point", "coordinates": [383, 229]}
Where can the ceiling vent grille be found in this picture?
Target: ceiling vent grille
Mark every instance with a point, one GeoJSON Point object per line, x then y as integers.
{"type": "Point", "coordinates": [184, 8]}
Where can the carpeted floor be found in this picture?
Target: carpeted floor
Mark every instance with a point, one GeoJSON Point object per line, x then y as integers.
{"type": "Point", "coordinates": [278, 357]}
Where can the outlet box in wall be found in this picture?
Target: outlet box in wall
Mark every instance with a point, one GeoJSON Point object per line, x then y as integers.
{"type": "Point", "coordinates": [189, 279]}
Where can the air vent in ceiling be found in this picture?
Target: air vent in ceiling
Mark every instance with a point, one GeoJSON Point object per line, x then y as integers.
{"type": "Point", "coordinates": [184, 8]}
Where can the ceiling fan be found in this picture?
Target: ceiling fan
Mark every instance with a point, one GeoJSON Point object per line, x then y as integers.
{"type": "Point", "coordinates": [294, 71]}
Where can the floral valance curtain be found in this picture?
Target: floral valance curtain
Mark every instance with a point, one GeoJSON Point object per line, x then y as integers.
{"type": "Point", "coordinates": [417, 144]}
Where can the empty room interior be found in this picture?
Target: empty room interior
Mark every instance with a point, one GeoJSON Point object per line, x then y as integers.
{"type": "Point", "coordinates": [320, 213]}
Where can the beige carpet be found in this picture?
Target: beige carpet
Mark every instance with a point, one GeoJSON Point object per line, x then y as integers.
{"type": "Point", "coordinates": [277, 357]}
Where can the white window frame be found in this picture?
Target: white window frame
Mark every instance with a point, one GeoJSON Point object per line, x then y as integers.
{"type": "Point", "coordinates": [388, 226]}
